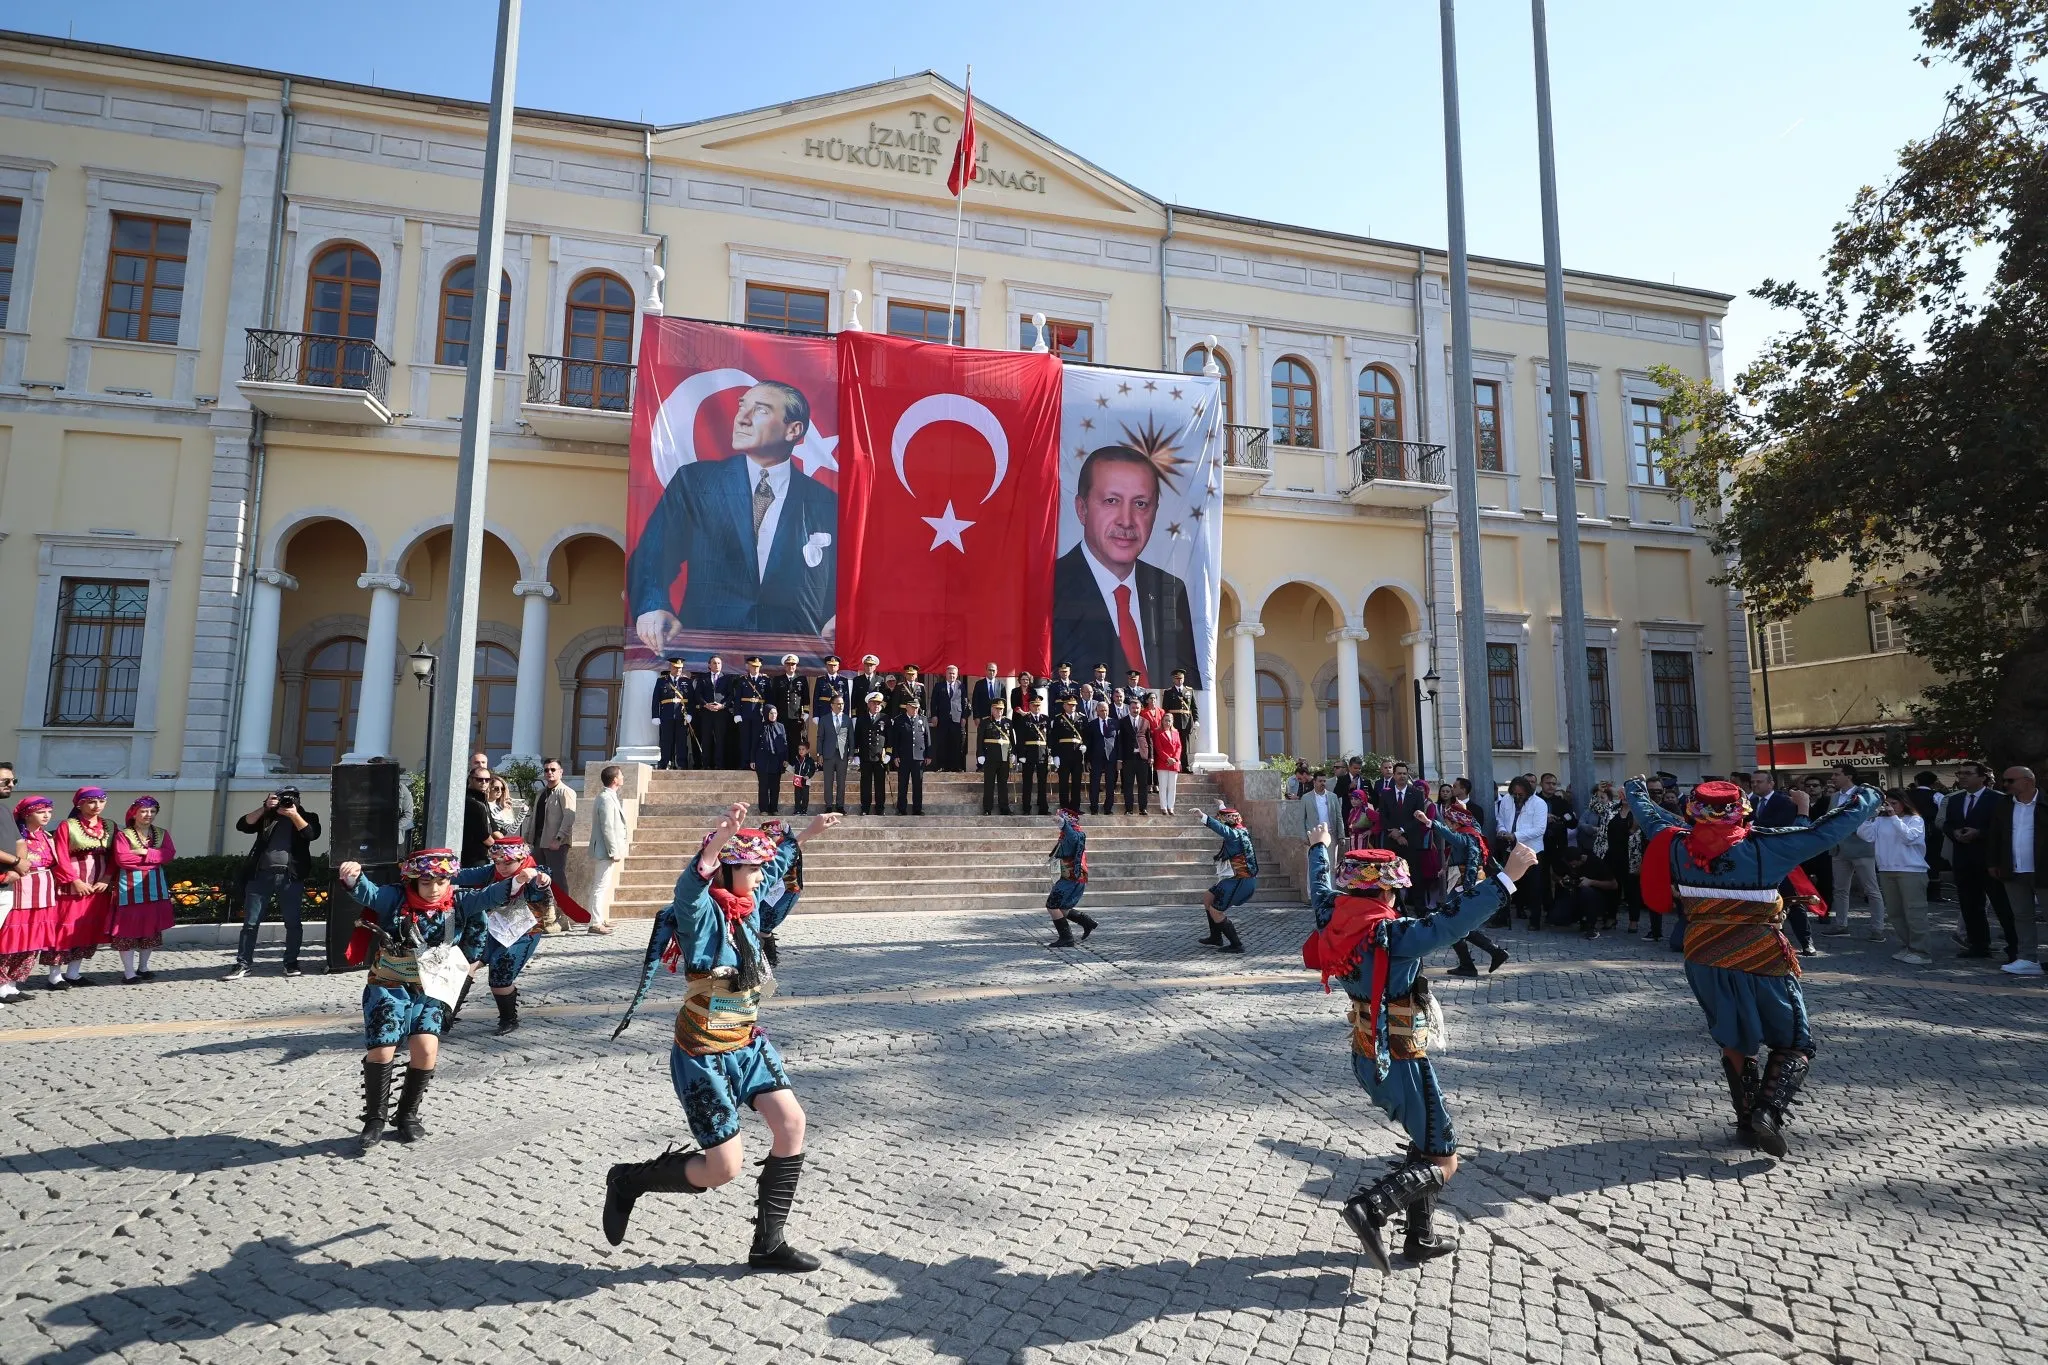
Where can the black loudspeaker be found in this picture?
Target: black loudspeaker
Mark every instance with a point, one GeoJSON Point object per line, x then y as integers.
{"type": "Point", "coordinates": [362, 827]}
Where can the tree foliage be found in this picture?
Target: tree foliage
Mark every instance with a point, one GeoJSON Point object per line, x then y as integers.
{"type": "Point", "coordinates": [1900, 425]}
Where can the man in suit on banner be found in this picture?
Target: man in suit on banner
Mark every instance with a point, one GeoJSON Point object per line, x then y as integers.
{"type": "Point", "coordinates": [1108, 604]}
{"type": "Point", "coordinates": [758, 535]}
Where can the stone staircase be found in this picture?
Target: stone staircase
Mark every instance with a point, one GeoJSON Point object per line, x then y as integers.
{"type": "Point", "coordinates": [954, 858]}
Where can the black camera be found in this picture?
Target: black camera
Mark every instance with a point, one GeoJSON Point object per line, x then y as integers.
{"type": "Point", "coordinates": [286, 801]}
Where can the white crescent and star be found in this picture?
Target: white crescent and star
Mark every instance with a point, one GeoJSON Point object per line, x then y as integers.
{"type": "Point", "coordinates": [946, 529]}
{"type": "Point", "coordinates": [949, 407]}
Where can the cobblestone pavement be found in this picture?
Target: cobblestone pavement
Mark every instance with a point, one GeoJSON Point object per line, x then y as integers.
{"type": "Point", "coordinates": [1132, 1151]}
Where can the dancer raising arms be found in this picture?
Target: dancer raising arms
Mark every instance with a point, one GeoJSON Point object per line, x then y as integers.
{"type": "Point", "coordinates": [1237, 877]}
{"type": "Point", "coordinates": [509, 943]}
{"type": "Point", "coordinates": [720, 1058]}
{"type": "Point", "coordinates": [1064, 900]}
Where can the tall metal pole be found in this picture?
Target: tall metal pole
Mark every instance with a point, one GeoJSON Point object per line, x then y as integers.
{"type": "Point", "coordinates": [1464, 461]}
{"type": "Point", "coordinates": [1763, 659]}
{"type": "Point", "coordinates": [1578, 688]}
{"type": "Point", "coordinates": [456, 674]}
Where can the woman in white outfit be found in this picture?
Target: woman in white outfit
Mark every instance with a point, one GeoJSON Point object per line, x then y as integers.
{"type": "Point", "coordinates": [1900, 837]}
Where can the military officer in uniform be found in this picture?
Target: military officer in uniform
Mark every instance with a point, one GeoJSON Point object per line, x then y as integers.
{"type": "Point", "coordinates": [910, 752]}
{"type": "Point", "coordinates": [672, 715]}
{"type": "Point", "coordinates": [1058, 689]}
{"type": "Point", "coordinates": [1070, 750]}
{"type": "Point", "coordinates": [871, 751]}
{"type": "Point", "coordinates": [832, 680]}
{"type": "Point", "coordinates": [869, 679]}
{"type": "Point", "coordinates": [748, 694]}
{"type": "Point", "coordinates": [910, 689]}
{"type": "Point", "coordinates": [1028, 733]}
{"type": "Point", "coordinates": [1182, 711]}
{"type": "Point", "coordinates": [992, 741]}
{"type": "Point", "coordinates": [789, 692]}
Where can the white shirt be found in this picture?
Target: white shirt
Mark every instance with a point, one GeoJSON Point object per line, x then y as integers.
{"type": "Point", "coordinates": [778, 484]}
{"type": "Point", "coordinates": [1901, 842]}
{"type": "Point", "coordinates": [1108, 582]}
{"type": "Point", "coordinates": [2023, 835]}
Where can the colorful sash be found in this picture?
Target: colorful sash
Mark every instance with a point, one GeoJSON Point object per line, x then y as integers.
{"type": "Point", "coordinates": [1738, 933]}
{"type": "Point", "coordinates": [142, 886]}
{"type": "Point", "coordinates": [716, 1016]}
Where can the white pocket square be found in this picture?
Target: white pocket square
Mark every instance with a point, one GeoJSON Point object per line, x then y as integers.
{"type": "Point", "coordinates": [814, 548]}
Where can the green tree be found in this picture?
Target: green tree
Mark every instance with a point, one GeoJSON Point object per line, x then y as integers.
{"type": "Point", "coordinates": [1901, 424]}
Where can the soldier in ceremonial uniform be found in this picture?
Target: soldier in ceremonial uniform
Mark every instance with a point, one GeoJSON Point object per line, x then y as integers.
{"type": "Point", "coordinates": [1182, 710]}
{"type": "Point", "coordinates": [988, 690]}
{"type": "Point", "coordinates": [672, 715]}
{"type": "Point", "coordinates": [1026, 695]}
{"type": "Point", "coordinates": [871, 753]}
{"type": "Point", "coordinates": [749, 693]}
{"type": "Point", "coordinates": [992, 741]}
{"type": "Point", "coordinates": [715, 743]}
{"type": "Point", "coordinates": [832, 680]}
{"type": "Point", "coordinates": [869, 679]}
{"type": "Point", "coordinates": [789, 692]}
{"type": "Point", "coordinates": [910, 753]}
{"type": "Point", "coordinates": [1069, 742]}
{"type": "Point", "coordinates": [1058, 689]}
{"type": "Point", "coordinates": [1100, 682]}
{"type": "Point", "coordinates": [910, 688]}
{"type": "Point", "coordinates": [1028, 731]}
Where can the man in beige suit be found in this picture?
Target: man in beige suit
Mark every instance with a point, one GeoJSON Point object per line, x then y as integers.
{"type": "Point", "coordinates": [607, 849]}
{"type": "Point", "coordinates": [552, 822]}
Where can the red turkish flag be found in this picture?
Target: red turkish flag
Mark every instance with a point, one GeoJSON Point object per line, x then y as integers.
{"type": "Point", "coordinates": [949, 484]}
{"type": "Point", "coordinates": [963, 154]}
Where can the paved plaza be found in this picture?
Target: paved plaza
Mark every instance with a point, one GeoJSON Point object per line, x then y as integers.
{"type": "Point", "coordinates": [1133, 1151]}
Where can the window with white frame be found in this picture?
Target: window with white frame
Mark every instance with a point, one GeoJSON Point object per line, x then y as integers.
{"type": "Point", "coordinates": [1647, 425]}
{"type": "Point", "coordinates": [1774, 643]}
{"type": "Point", "coordinates": [1886, 633]}
{"type": "Point", "coordinates": [1582, 451]}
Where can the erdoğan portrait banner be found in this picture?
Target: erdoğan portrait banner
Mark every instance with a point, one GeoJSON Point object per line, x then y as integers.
{"type": "Point", "coordinates": [928, 504]}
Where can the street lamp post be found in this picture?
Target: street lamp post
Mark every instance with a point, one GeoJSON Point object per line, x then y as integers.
{"type": "Point", "coordinates": [422, 662]}
{"type": "Point", "coordinates": [1426, 687]}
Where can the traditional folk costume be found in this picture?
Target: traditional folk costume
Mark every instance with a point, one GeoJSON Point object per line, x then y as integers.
{"type": "Point", "coordinates": [402, 926]}
{"type": "Point", "coordinates": [1375, 953]}
{"type": "Point", "coordinates": [778, 899]}
{"type": "Point", "coordinates": [510, 939]}
{"type": "Point", "coordinates": [720, 1058]}
{"type": "Point", "coordinates": [1725, 877]}
{"type": "Point", "coordinates": [1237, 872]}
{"type": "Point", "coordinates": [142, 892]}
{"type": "Point", "coordinates": [1064, 900]}
{"type": "Point", "coordinates": [84, 855]}
{"type": "Point", "coordinates": [31, 926]}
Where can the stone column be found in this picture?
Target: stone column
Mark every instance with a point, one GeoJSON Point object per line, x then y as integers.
{"type": "Point", "coordinates": [259, 672]}
{"type": "Point", "coordinates": [529, 697]}
{"type": "Point", "coordinates": [380, 668]}
{"type": "Point", "coordinates": [1350, 732]}
{"type": "Point", "coordinates": [1244, 665]}
{"type": "Point", "coordinates": [639, 741]}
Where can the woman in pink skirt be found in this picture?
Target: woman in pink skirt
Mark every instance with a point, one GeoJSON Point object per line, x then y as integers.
{"type": "Point", "coordinates": [85, 888]}
{"type": "Point", "coordinates": [142, 890]}
{"type": "Point", "coordinates": [32, 923]}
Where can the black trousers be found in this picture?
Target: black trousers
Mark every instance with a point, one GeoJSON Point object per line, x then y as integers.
{"type": "Point", "coordinates": [1137, 783]}
{"type": "Point", "coordinates": [1101, 786]}
{"type": "Point", "coordinates": [767, 789]}
{"type": "Point", "coordinates": [952, 747]}
{"type": "Point", "coordinates": [910, 787]}
{"type": "Point", "coordinates": [675, 739]}
{"type": "Point", "coordinates": [995, 789]}
{"type": "Point", "coordinates": [1033, 772]}
{"type": "Point", "coordinates": [714, 737]}
{"type": "Point", "coordinates": [874, 788]}
{"type": "Point", "coordinates": [1070, 781]}
{"type": "Point", "coordinates": [1974, 886]}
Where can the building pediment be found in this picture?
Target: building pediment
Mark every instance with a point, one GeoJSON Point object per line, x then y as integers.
{"type": "Point", "coordinates": [898, 137]}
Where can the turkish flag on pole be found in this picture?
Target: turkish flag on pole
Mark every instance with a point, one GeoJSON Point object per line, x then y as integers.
{"type": "Point", "coordinates": [949, 484]}
{"type": "Point", "coordinates": [963, 155]}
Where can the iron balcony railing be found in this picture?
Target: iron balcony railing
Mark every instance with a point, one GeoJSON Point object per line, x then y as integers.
{"type": "Point", "coordinates": [1245, 448]}
{"type": "Point", "coordinates": [320, 361]}
{"type": "Point", "coordinates": [1400, 461]}
{"type": "Point", "coordinates": [565, 382]}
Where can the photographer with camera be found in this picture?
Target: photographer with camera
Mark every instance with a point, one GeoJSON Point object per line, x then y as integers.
{"type": "Point", "coordinates": [279, 862]}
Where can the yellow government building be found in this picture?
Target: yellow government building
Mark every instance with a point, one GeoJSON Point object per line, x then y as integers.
{"type": "Point", "coordinates": [234, 322]}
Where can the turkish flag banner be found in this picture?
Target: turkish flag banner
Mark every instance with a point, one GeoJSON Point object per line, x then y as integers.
{"type": "Point", "coordinates": [949, 488]}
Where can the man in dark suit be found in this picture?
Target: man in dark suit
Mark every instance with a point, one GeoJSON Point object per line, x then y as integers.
{"type": "Point", "coordinates": [1922, 796]}
{"type": "Point", "coordinates": [1102, 745]}
{"type": "Point", "coordinates": [1131, 739]}
{"type": "Point", "coordinates": [1183, 709]}
{"type": "Point", "coordinates": [1068, 734]}
{"type": "Point", "coordinates": [1967, 820]}
{"type": "Point", "coordinates": [1109, 604]}
{"type": "Point", "coordinates": [1769, 807]}
{"type": "Point", "coordinates": [871, 751]}
{"type": "Point", "coordinates": [827, 683]}
{"type": "Point", "coordinates": [1401, 805]}
{"type": "Point", "coordinates": [988, 690]}
{"type": "Point", "coordinates": [770, 757]}
{"type": "Point", "coordinates": [834, 748]}
{"type": "Point", "coordinates": [714, 719]}
{"type": "Point", "coordinates": [949, 720]}
{"type": "Point", "coordinates": [910, 752]}
{"type": "Point", "coordinates": [757, 535]}
{"type": "Point", "coordinates": [672, 715]}
{"type": "Point", "coordinates": [1058, 689]}
{"type": "Point", "coordinates": [789, 692]}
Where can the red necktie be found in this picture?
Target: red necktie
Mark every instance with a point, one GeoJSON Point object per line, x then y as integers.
{"type": "Point", "coordinates": [1127, 633]}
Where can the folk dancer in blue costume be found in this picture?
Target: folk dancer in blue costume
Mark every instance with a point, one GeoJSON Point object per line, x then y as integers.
{"type": "Point", "coordinates": [1725, 875]}
{"type": "Point", "coordinates": [1237, 877]}
{"type": "Point", "coordinates": [1375, 953]}
{"type": "Point", "coordinates": [509, 942]}
{"type": "Point", "coordinates": [778, 899]}
{"type": "Point", "coordinates": [1064, 900]}
{"type": "Point", "coordinates": [398, 924]}
{"type": "Point", "coordinates": [720, 1058]}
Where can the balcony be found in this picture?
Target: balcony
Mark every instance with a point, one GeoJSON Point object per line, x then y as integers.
{"type": "Point", "coordinates": [1247, 463]}
{"type": "Point", "coordinates": [311, 378]}
{"type": "Point", "coordinates": [578, 400]}
{"type": "Point", "coordinates": [1397, 474]}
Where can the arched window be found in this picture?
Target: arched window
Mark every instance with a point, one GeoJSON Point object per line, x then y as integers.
{"type": "Point", "coordinates": [333, 692]}
{"type": "Point", "coordinates": [341, 301]}
{"type": "Point", "coordinates": [458, 315]}
{"type": "Point", "coordinates": [597, 707]}
{"type": "Point", "coordinates": [1379, 404]}
{"type": "Point", "coordinates": [599, 328]}
{"type": "Point", "coordinates": [1294, 403]}
{"type": "Point", "coordinates": [1368, 726]}
{"type": "Point", "coordinates": [1192, 363]}
{"type": "Point", "coordinates": [1276, 716]}
{"type": "Point", "coordinates": [491, 700]}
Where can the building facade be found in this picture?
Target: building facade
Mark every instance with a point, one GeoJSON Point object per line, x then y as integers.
{"type": "Point", "coordinates": [231, 363]}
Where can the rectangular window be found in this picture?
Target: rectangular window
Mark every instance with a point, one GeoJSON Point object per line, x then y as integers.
{"type": "Point", "coordinates": [1646, 426]}
{"type": "Point", "coordinates": [1074, 341]}
{"type": "Point", "coordinates": [1582, 454]}
{"type": "Point", "coordinates": [1603, 704]}
{"type": "Point", "coordinates": [145, 279]}
{"type": "Point", "coordinates": [1885, 632]}
{"type": "Point", "coordinates": [1504, 695]}
{"type": "Point", "coordinates": [926, 322]}
{"type": "Point", "coordinates": [787, 310]}
{"type": "Point", "coordinates": [98, 658]}
{"type": "Point", "coordinates": [1486, 423]}
{"type": "Point", "coordinates": [1678, 725]}
{"type": "Point", "coordinates": [10, 238]}
{"type": "Point", "coordinates": [1774, 642]}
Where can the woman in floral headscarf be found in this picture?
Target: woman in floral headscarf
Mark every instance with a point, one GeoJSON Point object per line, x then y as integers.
{"type": "Point", "coordinates": [32, 923]}
{"type": "Point", "coordinates": [142, 892]}
{"type": "Point", "coordinates": [85, 888]}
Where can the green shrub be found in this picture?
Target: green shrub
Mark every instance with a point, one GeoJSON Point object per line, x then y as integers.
{"type": "Point", "coordinates": [203, 888]}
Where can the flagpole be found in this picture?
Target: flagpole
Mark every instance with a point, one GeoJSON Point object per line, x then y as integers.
{"type": "Point", "coordinates": [959, 212]}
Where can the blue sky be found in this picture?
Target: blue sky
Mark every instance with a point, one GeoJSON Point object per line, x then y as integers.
{"type": "Point", "coordinates": [1715, 144]}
